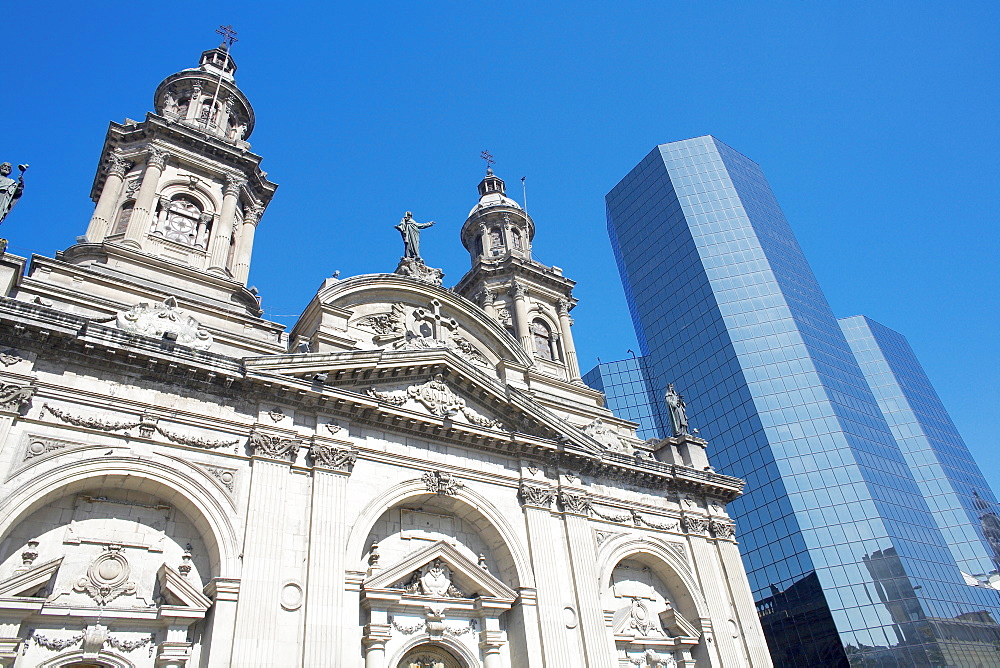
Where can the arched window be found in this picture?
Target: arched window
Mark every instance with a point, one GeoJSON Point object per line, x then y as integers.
{"type": "Point", "coordinates": [182, 219]}
{"type": "Point", "coordinates": [516, 234]}
{"type": "Point", "coordinates": [479, 245]}
{"type": "Point", "coordinates": [544, 345]}
{"type": "Point", "coordinates": [496, 238]}
{"type": "Point", "coordinates": [124, 216]}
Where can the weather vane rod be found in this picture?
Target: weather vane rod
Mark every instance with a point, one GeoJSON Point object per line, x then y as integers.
{"type": "Point", "coordinates": [228, 38]}
{"type": "Point", "coordinates": [488, 157]}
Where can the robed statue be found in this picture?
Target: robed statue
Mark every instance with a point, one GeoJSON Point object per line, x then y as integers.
{"type": "Point", "coordinates": [410, 231]}
{"type": "Point", "coordinates": [10, 190]}
{"type": "Point", "coordinates": [678, 411]}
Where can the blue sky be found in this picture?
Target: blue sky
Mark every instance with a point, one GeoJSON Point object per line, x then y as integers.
{"type": "Point", "coordinates": [875, 124]}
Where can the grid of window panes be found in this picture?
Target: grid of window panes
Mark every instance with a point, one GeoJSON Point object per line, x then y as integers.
{"type": "Point", "coordinates": [950, 480]}
{"type": "Point", "coordinates": [726, 307]}
{"type": "Point", "coordinates": [626, 393]}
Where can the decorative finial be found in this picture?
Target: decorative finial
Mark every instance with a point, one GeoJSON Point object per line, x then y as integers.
{"type": "Point", "coordinates": [228, 36]}
{"type": "Point", "coordinates": [488, 157]}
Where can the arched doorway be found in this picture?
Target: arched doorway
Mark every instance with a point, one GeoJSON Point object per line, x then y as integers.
{"type": "Point", "coordinates": [430, 656]}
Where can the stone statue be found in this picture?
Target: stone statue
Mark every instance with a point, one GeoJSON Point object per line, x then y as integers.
{"type": "Point", "coordinates": [678, 411]}
{"type": "Point", "coordinates": [410, 231]}
{"type": "Point", "coordinates": [10, 190]}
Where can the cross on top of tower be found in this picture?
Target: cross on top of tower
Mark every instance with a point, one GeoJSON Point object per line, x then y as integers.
{"type": "Point", "coordinates": [228, 35]}
{"type": "Point", "coordinates": [488, 157]}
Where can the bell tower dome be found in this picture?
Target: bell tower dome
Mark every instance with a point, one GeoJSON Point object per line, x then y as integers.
{"type": "Point", "coordinates": [531, 300]}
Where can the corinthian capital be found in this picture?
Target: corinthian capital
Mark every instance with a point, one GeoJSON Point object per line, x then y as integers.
{"type": "Point", "coordinates": [118, 165]}
{"type": "Point", "coordinates": [253, 213]}
{"type": "Point", "coordinates": [517, 291]}
{"type": "Point", "coordinates": [578, 503]}
{"type": "Point", "coordinates": [233, 184]}
{"type": "Point", "coordinates": [536, 495]}
{"type": "Point", "coordinates": [156, 157]}
{"type": "Point", "coordinates": [562, 306]}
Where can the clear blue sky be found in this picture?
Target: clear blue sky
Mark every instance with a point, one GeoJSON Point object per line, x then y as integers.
{"type": "Point", "coordinates": [876, 124]}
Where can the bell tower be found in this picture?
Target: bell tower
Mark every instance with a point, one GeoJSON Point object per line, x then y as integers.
{"type": "Point", "coordinates": [178, 199]}
{"type": "Point", "coordinates": [531, 300]}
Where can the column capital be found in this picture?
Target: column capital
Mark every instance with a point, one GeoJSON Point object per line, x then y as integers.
{"type": "Point", "coordinates": [575, 502]}
{"type": "Point", "coordinates": [117, 164]}
{"type": "Point", "coordinates": [695, 525]}
{"type": "Point", "coordinates": [722, 529]}
{"type": "Point", "coordinates": [335, 458]}
{"type": "Point", "coordinates": [562, 306]}
{"type": "Point", "coordinates": [156, 157]}
{"type": "Point", "coordinates": [517, 291]}
{"type": "Point", "coordinates": [376, 635]}
{"type": "Point", "coordinates": [253, 213]}
{"type": "Point", "coordinates": [537, 496]}
{"type": "Point", "coordinates": [234, 182]}
{"type": "Point", "coordinates": [485, 296]}
{"type": "Point", "coordinates": [272, 447]}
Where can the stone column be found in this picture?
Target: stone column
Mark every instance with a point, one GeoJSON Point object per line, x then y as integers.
{"type": "Point", "coordinates": [576, 509]}
{"type": "Point", "coordinates": [521, 324]}
{"type": "Point", "coordinates": [161, 218]}
{"type": "Point", "coordinates": [545, 563]}
{"type": "Point", "coordinates": [486, 297]}
{"type": "Point", "coordinates": [562, 307]}
{"type": "Point", "coordinates": [244, 243]}
{"type": "Point", "coordinates": [735, 577]}
{"type": "Point", "coordinates": [221, 237]}
{"type": "Point", "coordinates": [324, 605]}
{"type": "Point", "coordinates": [142, 214]}
{"type": "Point", "coordinates": [257, 615]}
{"type": "Point", "coordinates": [225, 594]}
{"type": "Point", "coordinates": [104, 212]}
{"type": "Point", "coordinates": [376, 636]}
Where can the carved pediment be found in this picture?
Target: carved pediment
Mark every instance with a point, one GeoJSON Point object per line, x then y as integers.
{"type": "Point", "coordinates": [437, 398]}
{"type": "Point", "coordinates": [165, 320]}
{"type": "Point", "coordinates": [29, 581]}
{"type": "Point", "coordinates": [441, 571]}
{"type": "Point", "coordinates": [178, 591]}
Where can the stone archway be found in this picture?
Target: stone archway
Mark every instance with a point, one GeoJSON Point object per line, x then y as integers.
{"type": "Point", "coordinates": [430, 655]}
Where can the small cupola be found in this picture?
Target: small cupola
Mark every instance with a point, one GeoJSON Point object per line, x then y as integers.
{"type": "Point", "coordinates": [491, 184]}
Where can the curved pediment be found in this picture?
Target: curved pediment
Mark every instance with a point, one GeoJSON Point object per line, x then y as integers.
{"type": "Point", "coordinates": [391, 312]}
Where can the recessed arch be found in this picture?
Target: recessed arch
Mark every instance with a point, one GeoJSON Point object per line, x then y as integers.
{"type": "Point", "coordinates": [71, 659]}
{"type": "Point", "coordinates": [473, 502]}
{"type": "Point", "coordinates": [672, 569]}
{"type": "Point", "coordinates": [458, 650]}
{"type": "Point", "coordinates": [191, 497]}
{"type": "Point", "coordinates": [197, 191]}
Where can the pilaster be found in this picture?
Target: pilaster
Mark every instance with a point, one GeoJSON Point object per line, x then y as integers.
{"type": "Point", "coordinates": [711, 577]}
{"type": "Point", "coordinates": [225, 594]}
{"type": "Point", "coordinates": [257, 615]}
{"type": "Point", "coordinates": [537, 501]}
{"type": "Point", "coordinates": [748, 623]}
{"type": "Point", "coordinates": [324, 605]}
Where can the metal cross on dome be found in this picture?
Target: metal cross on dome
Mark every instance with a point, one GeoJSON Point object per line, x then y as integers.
{"type": "Point", "coordinates": [488, 157]}
{"type": "Point", "coordinates": [228, 35]}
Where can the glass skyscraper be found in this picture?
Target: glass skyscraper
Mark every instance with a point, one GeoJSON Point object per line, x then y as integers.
{"type": "Point", "coordinates": [627, 394]}
{"type": "Point", "coordinates": [844, 554]}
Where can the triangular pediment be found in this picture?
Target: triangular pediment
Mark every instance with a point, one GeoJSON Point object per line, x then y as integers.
{"type": "Point", "coordinates": [178, 591]}
{"type": "Point", "coordinates": [29, 581]}
{"type": "Point", "coordinates": [468, 578]}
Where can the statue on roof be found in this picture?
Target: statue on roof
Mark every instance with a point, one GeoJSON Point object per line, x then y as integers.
{"type": "Point", "coordinates": [410, 231]}
{"type": "Point", "coordinates": [678, 411]}
{"type": "Point", "coordinates": [10, 190]}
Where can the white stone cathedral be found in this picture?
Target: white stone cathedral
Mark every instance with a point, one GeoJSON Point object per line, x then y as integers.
{"type": "Point", "coordinates": [414, 476]}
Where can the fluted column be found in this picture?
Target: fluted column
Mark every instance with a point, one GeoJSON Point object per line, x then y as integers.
{"type": "Point", "coordinates": [521, 324]}
{"type": "Point", "coordinates": [327, 535]}
{"type": "Point", "coordinates": [244, 242]}
{"type": "Point", "coordinates": [142, 214]}
{"type": "Point", "coordinates": [221, 238]}
{"type": "Point", "coordinates": [257, 614]}
{"type": "Point", "coordinates": [565, 323]}
{"type": "Point", "coordinates": [104, 212]}
{"type": "Point", "coordinates": [736, 580]}
{"type": "Point", "coordinates": [580, 538]}
{"type": "Point", "coordinates": [537, 500]}
{"type": "Point", "coordinates": [486, 301]}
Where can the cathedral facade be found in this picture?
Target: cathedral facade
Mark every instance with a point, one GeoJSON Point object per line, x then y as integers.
{"type": "Point", "coordinates": [413, 476]}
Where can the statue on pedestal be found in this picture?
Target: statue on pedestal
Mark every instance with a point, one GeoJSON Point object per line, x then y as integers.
{"type": "Point", "coordinates": [678, 411]}
{"type": "Point", "coordinates": [10, 190]}
{"type": "Point", "coordinates": [410, 231]}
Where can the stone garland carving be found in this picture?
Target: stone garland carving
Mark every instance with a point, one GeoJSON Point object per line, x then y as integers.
{"type": "Point", "coordinates": [536, 495]}
{"type": "Point", "coordinates": [621, 519]}
{"type": "Point", "coordinates": [722, 529]}
{"type": "Point", "coordinates": [333, 457]}
{"type": "Point", "coordinates": [434, 579]}
{"type": "Point", "coordinates": [575, 503]}
{"type": "Point", "coordinates": [697, 525]}
{"type": "Point", "coordinates": [195, 441]}
{"type": "Point", "coordinates": [107, 577]}
{"type": "Point", "coordinates": [130, 645]}
{"type": "Point", "coordinates": [90, 423]}
{"type": "Point", "coordinates": [163, 320]}
{"type": "Point", "coordinates": [441, 482]}
{"type": "Point", "coordinates": [271, 446]}
{"type": "Point", "coordinates": [672, 525]}
{"type": "Point", "coordinates": [653, 659]}
{"type": "Point", "coordinates": [56, 644]}
{"type": "Point", "coordinates": [393, 398]}
{"type": "Point", "coordinates": [13, 397]}
{"type": "Point", "coordinates": [407, 630]}
{"type": "Point", "coordinates": [417, 628]}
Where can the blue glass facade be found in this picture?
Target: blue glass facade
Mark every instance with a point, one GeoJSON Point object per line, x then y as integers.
{"type": "Point", "coordinates": [626, 392]}
{"type": "Point", "coordinates": [835, 532]}
{"type": "Point", "coordinates": [958, 495]}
